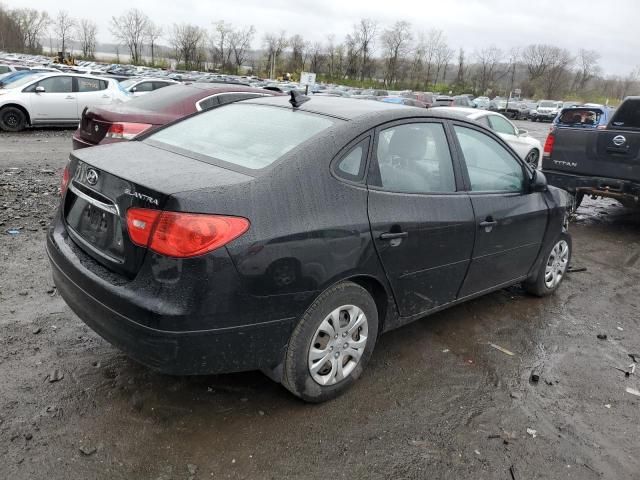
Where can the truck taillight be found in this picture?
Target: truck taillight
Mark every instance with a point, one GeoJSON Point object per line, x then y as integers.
{"type": "Point", "coordinates": [182, 235]}
{"type": "Point", "coordinates": [126, 130]}
{"type": "Point", "coordinates": [548, 145]}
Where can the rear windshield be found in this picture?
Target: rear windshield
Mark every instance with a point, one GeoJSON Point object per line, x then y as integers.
{"type": "Point", "coordinates": [628, 115]}
{"type": "Point", "coordinates": [247, 135]}
{"type": "Point", "coordinates": [580, 117]}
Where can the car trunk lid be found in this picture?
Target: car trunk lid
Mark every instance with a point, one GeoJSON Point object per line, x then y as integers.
{"type": "Point", "coordinates": [107, 181]}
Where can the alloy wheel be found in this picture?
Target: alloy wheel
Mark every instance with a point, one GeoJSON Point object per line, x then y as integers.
{"type": "Point", "coordinates": [338, 345]}
{"type": "Point", "coordinates": [557, 264]}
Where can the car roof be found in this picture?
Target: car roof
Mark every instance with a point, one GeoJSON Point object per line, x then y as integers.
{"type": "Point", "coordinates": [346, 108]}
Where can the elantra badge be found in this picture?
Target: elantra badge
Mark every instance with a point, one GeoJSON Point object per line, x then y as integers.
{"type": "Point", "coordinates": [619, 140]}
{"type": "Point", "coordinates": [92, 176]}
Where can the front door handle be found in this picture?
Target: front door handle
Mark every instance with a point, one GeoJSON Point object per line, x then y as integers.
{"type": "Point", "coordinates": [106, 96]}
{"type": "Point", "coordinates": [488, 223]}
{"type": "Point", "coordinates": [393, 235]}
{"type": "Point", "coordinates": [69, 97]}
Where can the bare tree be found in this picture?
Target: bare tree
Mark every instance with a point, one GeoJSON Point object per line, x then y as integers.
{"type": "Point", "coordinates": [274, 45]}
{"type": "Point", "coordinates": [152, 33]}
{"type": "Point", "coordinates": [315, 56]}
{"type": "Point", "coordinates": [396, 41]}
{"type": "Point", "coordinates": [130, 29]}
{"type": "Point", "coordinates": [558, 62]}
{"type": "Point", "coordinates": [296, 60]}
{"type": "Point", "coordinates": [588, 67]}
{"type": "Point", "coordinates": [432, 45]}
{"type": "Point", "coordinates": [10, 33]}
{"type": "Point", "coordinates": [221, 51]}
{"type": "Point", "coordinates": [536, 58]}
{"type": "Point", "coordinates": [352, 59]}
{"type": "Point", "coordinates": [188, 43]}
{"type": "Point", "coordinates": [32, 24]}
{"type": "Point", "coordinates": [239, 43]}
{"type": "Point", "coordinates": [365, 33]}
{"type": "Point", "coordinates": [488, 60]}
{"type": "Point", "coordinates": [442, 57]}
{"type": "Point", "coordinates": [460, 76]}
{"type": "Point", "coordinates": [63, 26]}
{"type": "Point", "coordinates": [87, 30]}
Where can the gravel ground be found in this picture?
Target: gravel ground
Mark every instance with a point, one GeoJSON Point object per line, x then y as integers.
{"type": "Point", "coordinates": [437, 400]}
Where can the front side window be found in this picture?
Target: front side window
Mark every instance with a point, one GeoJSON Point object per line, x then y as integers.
{"type": "Point", "coordinates": [414, 158]}
{"type": "Point", "coordinates": [490, 166]}
{"type": "Point", "coordinates": [500, 125]}
{"type": "Point", "coordinates": [56, 85]}
{"type": "Point", "coordinates": [247, 135]}
{"type": "Point", "coordinates": [144, 87]}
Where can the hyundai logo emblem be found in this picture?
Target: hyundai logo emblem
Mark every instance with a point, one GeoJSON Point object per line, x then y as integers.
{"type": "Point", "coordinates": [96, 128]}
{"type": "Point", "coordinates": [619, 140]}
{"type": "Point", "coordinates": [92, 176]}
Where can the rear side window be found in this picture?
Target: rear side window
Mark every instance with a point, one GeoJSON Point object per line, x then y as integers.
{"type": "Point", "coordinates": [90, 84]}
{"type": "Point", "coordinates": [207, 103]}
{"type": "Point", "coordinates": [490, 166]}
{"type": "Point", "coordinates": [628, 115]}
{"type": "Point", "coordinates": [247, 135]}
{"type": "Point", "coordinates": [158, 85]}
{"type": "Point", "coordinates": [413, 158]}
{"type": "Point", "coordinates": [351, 166]}
{"type": "Point", "coordinates": [4, 69]}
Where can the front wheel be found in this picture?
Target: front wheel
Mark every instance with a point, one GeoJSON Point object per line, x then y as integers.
{"type": "Point", "coordinates": [331, 345]}
{"type": "Point", "coordinates": [532, 158]}
{"type": "Point", "coordinates": [12, 119]}
{"type": "Point", "coordinates": [554, 269]}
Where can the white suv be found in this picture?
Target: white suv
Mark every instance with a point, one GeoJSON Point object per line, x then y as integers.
{"type": "Point", "coordinates": [54, 99]}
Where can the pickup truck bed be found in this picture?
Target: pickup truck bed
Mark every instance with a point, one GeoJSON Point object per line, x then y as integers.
{"type": "Point", "coordinates": [601, 162]}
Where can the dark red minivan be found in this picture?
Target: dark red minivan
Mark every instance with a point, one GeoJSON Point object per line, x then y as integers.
{"type": "Point", "coordinates": [118, 122]}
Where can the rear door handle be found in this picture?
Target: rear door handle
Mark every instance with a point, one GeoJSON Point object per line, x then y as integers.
{"type": "Point", "coordinates": [393, 236]}
{"type": "Point", "coordinates": [69, 97]}
{"type": "Point", "coordinates": [106, 96]}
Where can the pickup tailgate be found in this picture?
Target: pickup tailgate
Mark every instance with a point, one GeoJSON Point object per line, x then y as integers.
{"type": "Point", "coordinates": [601, 153]}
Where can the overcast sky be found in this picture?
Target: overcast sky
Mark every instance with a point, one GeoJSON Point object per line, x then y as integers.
{"type": "Point", "coordinates": [607, 26]}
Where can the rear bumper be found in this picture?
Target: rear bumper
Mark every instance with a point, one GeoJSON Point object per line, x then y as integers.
{"type": "Point", "coordinates": [626, 190]}
{"type": "Point", "coordinates": [148, 337]}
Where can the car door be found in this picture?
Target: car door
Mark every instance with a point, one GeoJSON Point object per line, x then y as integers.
{"type": "Point", "coordinates": [56, 104]}
{"type": "Point", "coordinates": [91, 92]}
{"type": "Point", "coordinates": [510, 219]}
{"type": "Point", "coordinates": [421, 220]}
{"type": "Point", "coordinates": [505, 129]}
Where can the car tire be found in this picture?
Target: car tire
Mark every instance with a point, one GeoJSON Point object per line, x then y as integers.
{"type": "Point", "coordinates": [532, 158]}
{"type": "Point", "coordinates": [320, 363]}
{"type": "Point", "coordinates": [554, 268]}
{"type": "Point", "coordinates": [12, 119]}
{"type": "Point", "coordinates": [577, 201]}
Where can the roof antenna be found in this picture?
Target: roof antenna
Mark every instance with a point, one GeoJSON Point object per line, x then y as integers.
{"type": "Point", "coordinates": [297, 98]}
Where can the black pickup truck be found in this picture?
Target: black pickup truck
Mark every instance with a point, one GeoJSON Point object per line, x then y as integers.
{"type": "Point", "coordinates": [602, 162]}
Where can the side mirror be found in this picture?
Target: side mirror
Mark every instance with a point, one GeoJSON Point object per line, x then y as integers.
{"type": "Point", "coordinates": [134, 89]}
{"type": "Point", "coordinates": [40, 89]}
{"type": "Point", "coordinates": [538, 182]}
{"type": "Point", "coordinates": [522, 132]}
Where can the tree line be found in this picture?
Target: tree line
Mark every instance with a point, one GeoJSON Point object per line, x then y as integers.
{"type": "Point", "coordinates": [394, 56]}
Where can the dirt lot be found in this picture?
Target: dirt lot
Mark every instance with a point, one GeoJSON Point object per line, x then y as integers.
{"type": "Point", "coordinates": [437, 401]}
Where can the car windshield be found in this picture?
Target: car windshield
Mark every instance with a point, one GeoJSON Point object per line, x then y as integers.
{"type": "Point", "coordinates": [21, 80]}
{"type": "Point", "coordinates": [547, 104]}
{"type": "Point", "coordinates": [247, 135]}
{"type": "Point", "coordinates": [128, 83]}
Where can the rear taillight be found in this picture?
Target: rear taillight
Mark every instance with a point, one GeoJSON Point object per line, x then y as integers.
{"type": "Point", "coordinates": [126, 130]}
{"type": "Point", "coordinates": [66, 176]}
{"type": "Point", "coordinates": [182, 235]}
{"type": "Point", "coordinates": [548, 145]}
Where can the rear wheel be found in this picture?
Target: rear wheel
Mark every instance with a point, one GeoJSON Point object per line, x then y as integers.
{"type": "Point", "coordinates": [554, 269]}
{"type": "Point", "coordinates": [12, 119]}
{"type": "Point", "coordinates": [330, 347]}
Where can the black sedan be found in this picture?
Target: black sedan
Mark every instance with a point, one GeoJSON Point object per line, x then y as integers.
{"type": "Point", "coordinates": [285, 236]}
